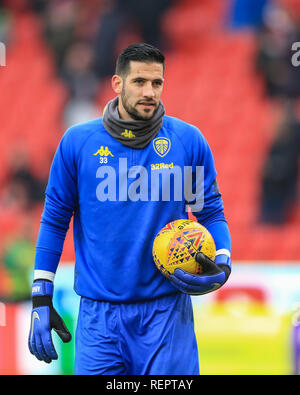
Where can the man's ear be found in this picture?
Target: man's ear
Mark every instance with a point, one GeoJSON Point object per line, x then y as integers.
{"type": "Point", "coordinates": [117, 84]}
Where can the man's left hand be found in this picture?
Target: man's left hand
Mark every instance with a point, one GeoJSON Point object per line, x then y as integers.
{"type": "Point", "coordinates": [214, 275]}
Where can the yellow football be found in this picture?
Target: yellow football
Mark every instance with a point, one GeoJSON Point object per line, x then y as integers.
{"type": "Point", "coordinates": [177, 243]}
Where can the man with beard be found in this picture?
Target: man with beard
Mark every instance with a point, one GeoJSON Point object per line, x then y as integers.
{"type": "Point", "coordinates": [132, 319]}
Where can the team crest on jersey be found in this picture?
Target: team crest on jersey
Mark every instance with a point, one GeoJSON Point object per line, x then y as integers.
{"type": "Point", "coordinates": [161, 146]}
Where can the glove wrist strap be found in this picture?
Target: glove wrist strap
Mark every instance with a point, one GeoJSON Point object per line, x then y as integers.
{"type": "Point", "coordinates": [224, 262]}
{"type": "Point", "coordinates": [42, 288]}
{"type": "Point", "coordinates": [223, 259]}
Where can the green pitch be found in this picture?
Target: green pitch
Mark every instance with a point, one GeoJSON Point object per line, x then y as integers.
{"type": "Point", "coordinates": [238, 338]}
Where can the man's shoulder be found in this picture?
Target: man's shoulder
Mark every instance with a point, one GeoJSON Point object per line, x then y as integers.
{"type": "Point", "coordinates": [79, 133]}
{"type": "Point", "coordinates": [85, 128]}
{"type": "Point", "coordinates": [182, 128]}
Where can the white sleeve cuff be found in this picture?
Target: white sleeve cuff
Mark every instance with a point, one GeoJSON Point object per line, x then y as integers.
{"type": "Point", "coordinates": [43, 275]}
{"type": "Point", "coordinates": [223, 251]}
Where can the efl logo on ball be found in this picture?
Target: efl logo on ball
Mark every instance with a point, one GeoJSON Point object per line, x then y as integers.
{"type": "Point", "coordinates": [177, 244]}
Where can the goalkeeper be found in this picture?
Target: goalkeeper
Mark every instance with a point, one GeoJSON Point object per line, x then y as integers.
{"type": "Point", "coordinates": [132, 320]}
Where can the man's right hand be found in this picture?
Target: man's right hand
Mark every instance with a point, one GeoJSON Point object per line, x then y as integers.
{"type": "Point", "coordinates": [44, 318]}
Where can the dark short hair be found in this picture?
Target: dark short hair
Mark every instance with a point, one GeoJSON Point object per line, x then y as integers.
{"type": "Point", "coordinates": [139, 53]}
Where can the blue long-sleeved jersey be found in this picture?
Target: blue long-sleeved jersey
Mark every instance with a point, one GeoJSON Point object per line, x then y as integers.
{"type": "Point", "coordinates": [120, 198]}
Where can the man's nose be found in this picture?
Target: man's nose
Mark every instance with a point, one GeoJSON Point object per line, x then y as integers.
{"type": "Point", "coordinates": [148, 90]}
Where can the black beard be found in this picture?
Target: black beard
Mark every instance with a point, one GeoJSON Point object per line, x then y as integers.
{"type": "Point", "coordinates": [133, 112]}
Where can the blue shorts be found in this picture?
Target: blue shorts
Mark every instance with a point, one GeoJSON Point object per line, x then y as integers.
{"type": "Point", "coordinates": [147, 338]}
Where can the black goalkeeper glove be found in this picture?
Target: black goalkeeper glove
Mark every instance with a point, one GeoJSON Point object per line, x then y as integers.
{"type": "Point", "coordinates": [44, 318]}
{"type": "Point", "coordinates": [214, 275]}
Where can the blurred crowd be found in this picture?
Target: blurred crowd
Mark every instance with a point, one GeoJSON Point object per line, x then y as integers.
{"type": "Point", "coordinates": [276, 24]}
{"type": "Point", "coordinates": [85, 38]}
{"type": "Point", "coordinates": [279, 31]}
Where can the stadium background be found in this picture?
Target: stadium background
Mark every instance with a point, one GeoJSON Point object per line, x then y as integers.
{"type": "Point", "coordinates": [218, 79]}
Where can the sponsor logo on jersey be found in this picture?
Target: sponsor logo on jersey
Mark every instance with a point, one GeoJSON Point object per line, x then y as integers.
{"type": "Point", "coordinates": [162, 146]}
{"type": "Point", "coordinates": [103, 151]}
{"type": "Point", "coordinates": [158, 166]}
{"type": "Point", "coordinates": [103, 154]}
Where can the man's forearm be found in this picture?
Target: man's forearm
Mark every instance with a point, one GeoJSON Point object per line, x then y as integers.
{"type": "Point", "coordinates": [54, 226]}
